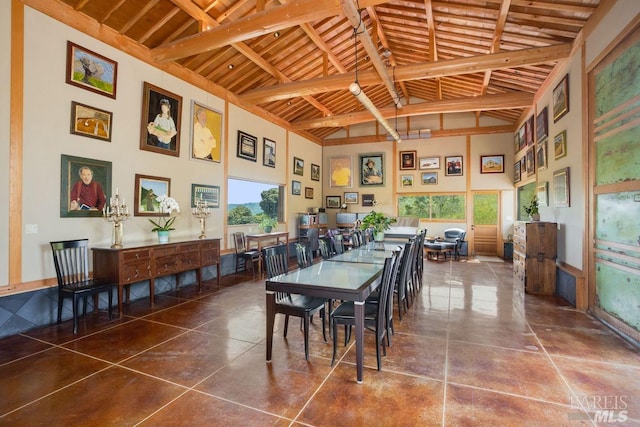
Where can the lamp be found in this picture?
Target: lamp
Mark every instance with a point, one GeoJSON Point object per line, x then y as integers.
{"type": "Point", "coordinates": [356, 91]}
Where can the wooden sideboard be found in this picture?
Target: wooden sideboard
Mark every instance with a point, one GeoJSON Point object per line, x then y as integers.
{"type": "Point", "coordinates": [147, 260]}
{"type": "Point", "coordinates": [534, 256]}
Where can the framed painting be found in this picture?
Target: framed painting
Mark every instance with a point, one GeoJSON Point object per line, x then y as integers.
{"type": "Point", "coordinates": [207, 193]}
{"type": "Point", "coordinates": [516, 142]}
{"type": "Point", "coordinates": [406, 180]}
{"type": "Point", "coordinates": [298, 166]}
{"type": "Point", "coordinates": [429, 177]}
{"type": "Point", "coordinates": [521, 137]}
{"type": "Point", "coordinates": [247, 146]}
{"type": "Point", "coordinates": [91, 71]}
{"type": "Point", "coordinates": [351, 197]}
{"type": "Point", "coordinates": [308, 192]}
{"type": "Point", "coordinates": [542, 192]}
{"type": "Point", "coordinates": [492, 164]}
{"type": "Point", "coordinates": [454, 166]}
{"type": "Point", "coordinates": [541, 155]}
{"type": "Point", "coordinates": [561, 99]}
{"type": "Point", "coordinates": [368, 200]}
{"type": "Point", "coordinates": [371, 169]}
{"type": "Point", "coordinates": [560, 145]}
{"type": "Point", "coordinates": [296, 188]}
{"type": "Point", "coordinates": [206, 133]}
{"type": "Point", "coordinates": [429, 163]}
{"type": "Point", "coordinates": [517, 173]}
{"type": "Point", "coordinates": [333, 202]}
{"type": "Point", "coordinates": [161, 113]}
{"type": "Point", "coordinates": [147, 189]}
{"type": "Point", "coordinates": [315, 172]}
{"type": "Point", "coordinates": [407, 160]}
{"type": "Point", "coordinates": [269, 152]}
{"type": "Point", "coordinates": [528, 131]}
{"type": "Point", "coordinates": [531, 161]}
{"type": "Point", "coordinates": [84, 186]}
{"type": "Point", "coordinates": [561, 193]}
{"type": "Point", "coordinates": [90, 121]}
{"type": "Point", "coordinates": [542, 124]}
{"type": "Point", "coordinates": [340, 174]}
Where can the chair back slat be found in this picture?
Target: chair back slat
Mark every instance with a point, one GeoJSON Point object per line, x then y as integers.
{"type": "Point", "coordinates": [275, 260]}
{"type": "Point", "coordinates": [71, 261]}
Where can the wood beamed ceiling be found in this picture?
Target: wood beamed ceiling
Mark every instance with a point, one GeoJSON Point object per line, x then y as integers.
{"type": "Point", "coordinates": [293, 60]}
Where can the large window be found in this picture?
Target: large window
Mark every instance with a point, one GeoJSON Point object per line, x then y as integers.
{"type": "Point", "coordinates": [248, 202]}
{"type": "Point", "coordinates": [438, 206]}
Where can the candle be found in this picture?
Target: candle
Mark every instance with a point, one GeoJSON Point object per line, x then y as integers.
{"type": "Point", "coordinates": [117, 192]}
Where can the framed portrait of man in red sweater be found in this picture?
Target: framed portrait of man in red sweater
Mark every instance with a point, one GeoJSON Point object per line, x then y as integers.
{"type": "Point", "coordinates": [85, 186]}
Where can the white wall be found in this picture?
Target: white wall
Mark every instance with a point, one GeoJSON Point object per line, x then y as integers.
{"type": "Point", "coordinates": [5, 79]}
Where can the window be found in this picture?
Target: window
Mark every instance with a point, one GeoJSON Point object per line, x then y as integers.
{"type": "Point", "coordinates": [248, 202]}
{"type": "Point", "coordinates": [433, 206]}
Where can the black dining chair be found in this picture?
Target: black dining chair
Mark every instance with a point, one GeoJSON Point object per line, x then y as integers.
{"type": "Point", "coordinates": [71, 260]}
{"type": "Point", "coordinates": [303, 255]}
{"type": "Point", "coordinates": [245, 256]}
{"type": "Point", "coordinates": [405, 278]}
{"type": "Point", "coordinates": [374, 314]}
{"type": "Point", "coordinates": [338, 244]}
{"type": "Point", "coordinates": [324, 245]}
{"type": "Point", "coordinates": [303, 306]}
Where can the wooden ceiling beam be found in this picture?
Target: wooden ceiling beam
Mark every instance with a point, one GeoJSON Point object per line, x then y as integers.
{"type": "Point", "coordinates": [458, 105]}
{"type": "Point", "coordinates": [451, 67]}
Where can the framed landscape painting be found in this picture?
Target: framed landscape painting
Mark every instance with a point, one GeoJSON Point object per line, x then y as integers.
{"type": "Point", "coordinates": [561, 98]}
{"type": "Point", "coordinates": [429, 162]}
{"type": "Point", "coordinates": [147, 189]}
{"type": "Point", "coordinates": [90, 121]}
{"type": "Point", "coordinates": [492, 164]}
{"type": "Point", "coordinates": [91, 71]}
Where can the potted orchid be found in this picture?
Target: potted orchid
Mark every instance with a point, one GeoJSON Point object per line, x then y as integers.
{"type": "Point", "coordinates": [167, 205]}
{"type": "Point", "coordinates": [532, 209]}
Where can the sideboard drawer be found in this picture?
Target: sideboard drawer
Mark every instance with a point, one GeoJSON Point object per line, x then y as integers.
{"type": "Point", "coordinates": [210, 256]}
{"type": "Point", "coordinates": [136, 270]}
{"type": "Point", "coordinates": [167, 265]}
{"type": "Point", "coordinates": [134, 255]}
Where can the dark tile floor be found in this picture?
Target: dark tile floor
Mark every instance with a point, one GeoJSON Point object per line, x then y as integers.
{"type": "Point", "coordinates": [464, 354]}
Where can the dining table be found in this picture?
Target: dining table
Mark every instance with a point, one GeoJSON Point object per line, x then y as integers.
{"type": "Point", "coordinates": [368, 254]}
{"type": "Point", "coordinates": [347, 281]}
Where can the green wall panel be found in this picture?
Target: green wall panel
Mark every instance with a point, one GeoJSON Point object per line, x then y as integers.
{"type": "Point", "coordinates": [618, 293]}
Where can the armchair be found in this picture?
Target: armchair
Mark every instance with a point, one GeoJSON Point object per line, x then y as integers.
{"type": "Point", "coordinates": [455, 235]}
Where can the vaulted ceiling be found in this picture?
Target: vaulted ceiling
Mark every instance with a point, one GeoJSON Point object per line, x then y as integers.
{"type": "Point", "coordinates": [295, 59]}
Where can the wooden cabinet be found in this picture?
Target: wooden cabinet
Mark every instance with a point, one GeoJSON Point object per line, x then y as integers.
{"type": "Point", "coordinates": [534, 256]}
{"type": "Point", "coordinates": [311, 227]}
{"type": "Point", "coordinates": [148, 260]}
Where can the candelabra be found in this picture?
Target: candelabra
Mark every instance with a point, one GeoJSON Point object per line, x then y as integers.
{"type": "Point", "coordinates": [116, 213]}
{"type": "Point", "coordinates": [201, 211]}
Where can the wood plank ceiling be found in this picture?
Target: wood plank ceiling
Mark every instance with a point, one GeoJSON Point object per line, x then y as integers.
{"type": "Point", "coordinates": [295, 59]}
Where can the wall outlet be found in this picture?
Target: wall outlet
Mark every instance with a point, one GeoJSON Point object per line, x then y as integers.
{"type": "Point", "coordinates": [31, 229]}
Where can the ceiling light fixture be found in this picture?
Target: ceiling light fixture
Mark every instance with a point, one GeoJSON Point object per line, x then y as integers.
{"type": "Point", "coordinates": [230, 66]}
{"type": "Point", "coordinates": [276, 34]}
{"type": "Point", "coordinates": [357, 91]}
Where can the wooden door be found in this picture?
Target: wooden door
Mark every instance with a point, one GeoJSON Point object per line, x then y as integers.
{"type": "Point", "coordinates": [486, 210]}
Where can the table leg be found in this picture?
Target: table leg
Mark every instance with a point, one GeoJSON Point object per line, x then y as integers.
{"type": "Point", "coordinates": [271, 314]}
{"type": "Point", "coordinates": [359, 314]}
{"type": "Point", "coordinates": [120, 288]}
{"type": "Point", "coordinates": [152, 291]}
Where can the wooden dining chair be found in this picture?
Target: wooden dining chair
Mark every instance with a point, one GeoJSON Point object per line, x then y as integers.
{"type": "Point", "coordinates": [245, 256]}
{"type": "Point", "coordinates": [303, 306]}
{"type": "Point", "coordinates": [71, 260]}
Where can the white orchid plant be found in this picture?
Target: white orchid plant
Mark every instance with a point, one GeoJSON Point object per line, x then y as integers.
{"type": "Point", "coordinates": [168, 205]}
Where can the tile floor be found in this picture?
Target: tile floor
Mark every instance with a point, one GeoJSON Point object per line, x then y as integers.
{"type": "Point", "coordinates": [463, 355]}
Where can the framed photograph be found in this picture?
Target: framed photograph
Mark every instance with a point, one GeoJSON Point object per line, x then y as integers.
{"type": "Point", "coordinates": [85, 185]}
{"type": "Point", "coordinates": [315, 172]}
{"type": "Point", "coordinates": [90, 121]}
{"type": "Point", "coordinates": [541, 155]}
{"type": "Point", "coordinates": [269, 153]}
{"type": "Point", "coordinates": [492, 164]}
{"type": "Point", "coordinates": [543, 194]}
{"type": "Point", "coordinates": [406, 180]}
{"type": "Point", "coordinates": [206, 133]}
{"type": "Point", "coordinates": [561, 99]}
{"type": "Point", "coordinates": [560, 145]}
{"type": "Point", "coordinates": [208, 193]}
{"type": "Point", "coordinates": [453, 166]}
{"type": "Point", "coordinates": [407, 160]}
{"type": "Point", "coordinates": [429, 162]}
{"type": "Point", "coordinates": [91, 71]}
{"type": "Point", "coordinates": [340, 174]}
{"type": "Point", "coordinates": [308, 192]}
{"type": "Point", "coordinates": [517, 173]}
{"type": "Point", "coordinates": [561, 196]}
{"type": "Point", "coordinates": [368, 200]}
{"type": "Point", "coordinates": [333, 202]}
{"type": "Point", "coordinates": [296, 188]}
{"type": "Point", "coordinates": [247, 146]}
{"type": "Point", "coordinates": [542, 124]}
{"type": "Point", "coordinates": [351, 197]}
{"type": "Point", "coordinates": [429, 177]}
{"type": "Point", "coordinates": [161, 113]}
{"type": "Point", "coordinates": [147, 189]}
{"type": "Point", "coordinates": [371, 169]}
{"type": "Point", "coordinates": [531, 161]}
{"type": "Point", "coordinates": [298, 166]}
